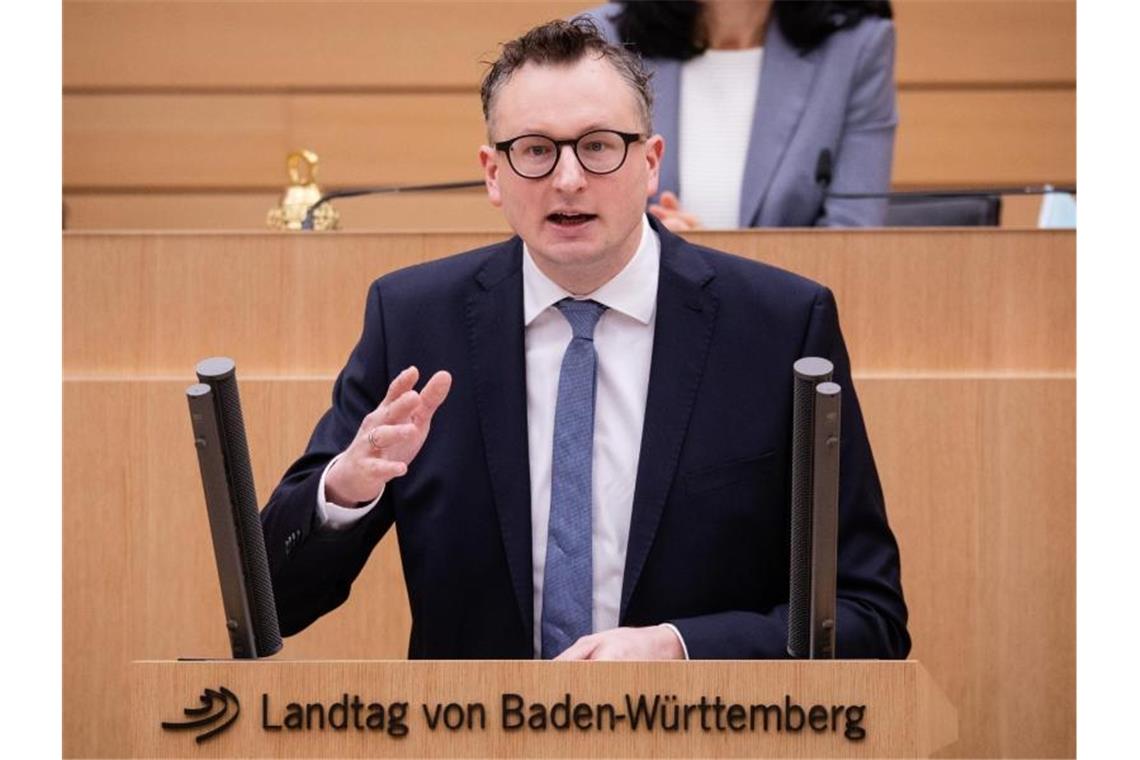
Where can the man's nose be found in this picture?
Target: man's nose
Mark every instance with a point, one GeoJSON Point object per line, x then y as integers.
{"type": "Point", "coordinates": [569, 176]}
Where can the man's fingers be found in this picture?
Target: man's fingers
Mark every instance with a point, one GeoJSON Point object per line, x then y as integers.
{"type": "Point", "coordinates": [383, 436]}
{"type": "Point", "coordinates": [401, 384]}
{"type": "Point", "coordinates": [419, 406]}
{"type": "Point", "coordinates": [397, 411]}
{"type": "Point", "coordinates": [669, 200]}
{"type": "Point", "coordinates": [626, 644]}
{"type": "Point", "coordinates": [580, 649]}
{"type": "Point", "coordinates": [434, 393]}
{"type": "Point", "coordinates": [385, 469]}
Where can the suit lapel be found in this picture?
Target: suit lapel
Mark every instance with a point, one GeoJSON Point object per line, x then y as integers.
{"type": "Point", "coordinates": [786, 79]}
{"type": "Point", "coordinates": [686, 315]}
{"type": "Point", "coordinates": [495, 335]}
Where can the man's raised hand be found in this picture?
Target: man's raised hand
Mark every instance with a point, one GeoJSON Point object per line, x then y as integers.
{"type": "Point", "coordinates": [388, 440]}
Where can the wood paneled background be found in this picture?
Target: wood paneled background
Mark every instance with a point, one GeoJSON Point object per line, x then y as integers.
{"type": "Point", "coordinates": [179, 115]}
{"type": "Point", "coordinates": [963, 349]}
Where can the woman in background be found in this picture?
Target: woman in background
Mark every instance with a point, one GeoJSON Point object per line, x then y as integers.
{"type": "Point", "coordinates": [749, 93]}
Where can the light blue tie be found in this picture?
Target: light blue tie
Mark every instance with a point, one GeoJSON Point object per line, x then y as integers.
{"type": "Point", "coordinates": [568, 580]}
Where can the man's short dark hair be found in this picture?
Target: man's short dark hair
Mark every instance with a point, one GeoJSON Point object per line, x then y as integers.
{"type": "Point", "coordinates": [565, 42]}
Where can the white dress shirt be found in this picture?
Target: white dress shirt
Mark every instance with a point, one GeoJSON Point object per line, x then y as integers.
{"type": "Point", "coordinates": [623, 339]}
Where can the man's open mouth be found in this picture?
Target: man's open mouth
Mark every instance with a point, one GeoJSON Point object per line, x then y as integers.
{"type": "Point", "coordinates": [569, 219]}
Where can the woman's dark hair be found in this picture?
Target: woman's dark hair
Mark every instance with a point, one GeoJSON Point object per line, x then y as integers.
{"type": "Point", "coordinates": [672, 29]}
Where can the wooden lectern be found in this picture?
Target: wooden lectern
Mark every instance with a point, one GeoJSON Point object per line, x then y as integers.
{"type": "Point", "coordinates": [965, 346]}
{"type": "Point", "coordinates": [383, 708]}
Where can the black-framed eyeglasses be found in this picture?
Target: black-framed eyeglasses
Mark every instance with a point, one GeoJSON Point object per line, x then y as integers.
{"type": "Point", "coordinates": [601, 151]}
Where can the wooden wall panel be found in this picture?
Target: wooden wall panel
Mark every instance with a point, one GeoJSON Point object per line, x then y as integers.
{"type": "Point", "coordinates": [354, 45]}
{"type": "Point", "coordinates": [460, 210]}
{"type": "Point", "coordinates": [202, 99]}
{"type": "Point", "coordinates": [466, 211]}
{"type": "Point", "coordinates": [978, 475]}
{"type": "Point", "coordinates": [139, 579]}
{"type": "Point", "coordinates": [979, 478]}
{"type": "Point", "coordinates": [983, 42]}
{"type": "Point", "coordinates": [986, 137]}
{"type": "Point", "coordinates": [288, 45]}
{"type": "Point", "coordinates": [241, 141]}
{"type": "Point", "coordinates": [196, 142]}
{"type": "Point", "coordinates": [915, 301]}
{"type": "Point", "coordinates": [1018, 211]}
{"type": "Point", "coordinates": [964, 361]}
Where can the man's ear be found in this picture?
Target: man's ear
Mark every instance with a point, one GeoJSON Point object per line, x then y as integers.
{"type": "Point", "coordinates": [654, 150]}
{"type": "Point", "coordinates": [489, 159]}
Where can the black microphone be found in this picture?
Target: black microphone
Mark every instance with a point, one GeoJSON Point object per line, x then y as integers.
{"type": "Point", "coordinates": [231, 503]}
{"type": "Point", "coordinates": [823, 170]}
{"type": "Point", "coordinates": [307, 224]}
{"type": "Point", "coordinates": [823, 177]}
{"type": "Point", "coordinates": [814, 504]}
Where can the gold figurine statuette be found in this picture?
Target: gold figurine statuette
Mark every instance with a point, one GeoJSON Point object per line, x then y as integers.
{"type": "Point", "coordinates": [300, 195]}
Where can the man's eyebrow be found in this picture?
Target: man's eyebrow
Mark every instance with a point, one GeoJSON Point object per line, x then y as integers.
{"type": "Point", "coordinates": [593, 127]}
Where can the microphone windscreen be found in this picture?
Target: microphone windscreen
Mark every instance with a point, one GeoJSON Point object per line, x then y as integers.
{"type": "Point", "coordinates": [808, 372]}
{"type": "Point", "coordinates": [219, 374]}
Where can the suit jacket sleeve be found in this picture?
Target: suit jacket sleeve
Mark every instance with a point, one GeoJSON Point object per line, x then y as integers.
{"type": "Point", "coordinates": [313, 569]}
{"type": "Point", "coordinates": [871, 614]}
{"type": "Point", "coordinates": [862, 162]}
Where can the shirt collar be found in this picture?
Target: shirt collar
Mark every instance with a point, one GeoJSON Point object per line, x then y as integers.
{"type": "Point", "coordinates": [632, 291]}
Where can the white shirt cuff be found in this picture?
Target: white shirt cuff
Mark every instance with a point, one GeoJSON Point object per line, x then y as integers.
{"type": "Point", "coordinates": [335, 517]}
{"type": "Point", "coordinates": [680, 638]}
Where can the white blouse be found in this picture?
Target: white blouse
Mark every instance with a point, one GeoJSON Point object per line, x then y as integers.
{"type": "Point", "coordinates": [718, 98]}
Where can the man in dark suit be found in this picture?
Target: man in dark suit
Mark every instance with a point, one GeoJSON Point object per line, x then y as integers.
{"type": "Point", "coordinates": [597, 467]}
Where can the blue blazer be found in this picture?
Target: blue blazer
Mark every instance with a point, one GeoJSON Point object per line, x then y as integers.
{"type": "Point", "coordinates": [839, 97]}
{"type": "Point", "coordinates": [708, 542]}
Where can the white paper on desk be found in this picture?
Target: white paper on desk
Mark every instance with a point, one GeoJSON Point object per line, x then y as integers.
{"type": "Point", "coordinates": [1058, 211]}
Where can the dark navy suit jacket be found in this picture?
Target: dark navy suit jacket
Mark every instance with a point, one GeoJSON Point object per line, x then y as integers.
{"type": "Point", "coordinates": [708, 543]}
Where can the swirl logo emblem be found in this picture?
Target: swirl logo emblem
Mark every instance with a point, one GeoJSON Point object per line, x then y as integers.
{"type": "Point", "coordinates": [219, 709]}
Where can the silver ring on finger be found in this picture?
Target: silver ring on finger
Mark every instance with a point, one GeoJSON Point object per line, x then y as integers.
{"type": "Point", "coordinates": [372, 439]}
